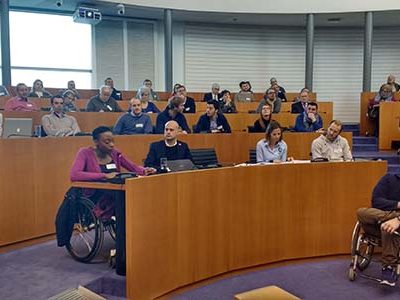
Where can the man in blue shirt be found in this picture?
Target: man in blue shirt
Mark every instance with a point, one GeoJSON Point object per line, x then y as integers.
{"type": "Point", "coordinates": [309, 120]}
{"type": "Point", "coordinates": [173, 111]}
{"type": "Point", "coordinates": [134, 122]}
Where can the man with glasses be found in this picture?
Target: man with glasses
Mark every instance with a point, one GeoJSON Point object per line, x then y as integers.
{"type": "Point", "coordinates": [270, 98]}
{"type": "Point", "coordinates": [69, 101]}
{"type": "Point", "coordinates": [214, 95]}
{"type": "Point", "coordinates": [103, 102]}
{"type": "Point", "coordinates": [57, 123]}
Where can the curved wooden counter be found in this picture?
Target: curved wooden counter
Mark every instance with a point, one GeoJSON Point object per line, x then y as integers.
{"type": "Point", "coordinates": [190, 226]}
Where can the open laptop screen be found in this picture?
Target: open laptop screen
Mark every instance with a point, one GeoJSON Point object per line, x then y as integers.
{"type": "Point", "coordinates": [17, 127]}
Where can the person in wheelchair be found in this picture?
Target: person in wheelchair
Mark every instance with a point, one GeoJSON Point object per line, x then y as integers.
{"type": "Point", "coordinates": [100, 163]}
{"type": "Point", "coordinates": [383, 220]}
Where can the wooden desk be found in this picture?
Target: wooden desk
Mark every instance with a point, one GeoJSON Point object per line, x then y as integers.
{"type": "Point", "coordinates": [195, 230]}
{"type": "Point", "coordinates": [35, 172]}
{"type": "Point", "coordinates": [89, 120]}
{"type": "Point", "coordinates": [389, 124]}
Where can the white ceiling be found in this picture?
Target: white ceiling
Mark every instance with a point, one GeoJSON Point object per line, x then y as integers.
{"type": "Point", "coordinates": [385, 18]}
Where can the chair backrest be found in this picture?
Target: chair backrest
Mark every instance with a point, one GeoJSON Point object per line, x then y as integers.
{"type": "Point", "coordinates": [204, 157]}
{"type": "Point", "coordinates": [252, 156]}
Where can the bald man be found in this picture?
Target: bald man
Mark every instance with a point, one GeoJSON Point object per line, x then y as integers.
{"type": "Point", "coordinates": [170, 148]}
{"type": "Point", "coordinates": [134, 121]}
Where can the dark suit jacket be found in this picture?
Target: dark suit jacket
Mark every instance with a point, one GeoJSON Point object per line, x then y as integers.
{"type": "Point", "coordinates": [208, 96]}
{"type": "Point", "coordinates": [159, 149]}
{"type": "Point", "coordinates": [297, 108]}
{"type": "Point", "coordinates": [203, 125]}
{"type": "Point", "coordinates": [190, 106]}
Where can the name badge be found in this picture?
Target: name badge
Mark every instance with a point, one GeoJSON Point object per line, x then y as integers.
{"type": "Point", "coordinates": [220, 127]}
{"type": "Point", "coordinates": [139, 125]}
{"type": "Point", "coordinates": [111, 166]}
{"type": "Point", "coordinates": [187, 108]}
{"type": "Point", "coordinates": [109, 107]}
{"type": "Point", "coordinates": [28, 104]}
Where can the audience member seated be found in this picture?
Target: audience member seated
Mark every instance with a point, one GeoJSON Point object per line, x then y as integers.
{"type": "Point", "coordinates": [152, 95]}
{"type": "Point", "coordinates": [214, 95]}
{"type": "Point", "coordinates": [391, 80]}
{"type": "Point", "coordinates": [331, 146]}
{"type": "Point", "coordinates": [69, 101]}
{"type": "Point", "coordinates": [280, 91]}
{"type": "Point", "coordinates": [70, 87]}
{"type": "Point", "coordinates": [134, 121]}
{"type": "Point", "coordinates": [147, 106]}
{"type": "Point", "coordinates": [245, 94]}
{"type": "Point", "coordinates": [115, 94]}
{"type": "Point", "coordinates": [272, 148]}
{"type": "Point", "coordinates": [213, 121]}
{"type": "Point", "coordinates": [103, 102]}
{"type": "Point", "coordinates": [271, 98]}
{"type": "Point", "coordinates": [20, 102]}
{"type": "Point", "coordinates": [385, 94]}
{"type": "Point", "coordinates": [382, 220]}
{"type": "Point", "coordinates": [57, 123]}
{"type": "Point", "coordinates": [262, 124]}
{"type": "Point", "coordinates": [3, 91]}
{"type": "Point", "coordinates": [309, 120]}
{"type": "Point", "coordinates": [173, 111]}
{"type": "Point", "coordinates": [226, 104]}
{"type": "Point", "coordinates": [170, 148]}
{"type": "Point", "coordinates": [38, 91]}
{"type": "Point", "coordinates": [189, 105]}
{"type": "Point", "coordinates": [301, 103]}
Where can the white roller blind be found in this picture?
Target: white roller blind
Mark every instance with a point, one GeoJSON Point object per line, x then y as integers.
{"type": "Point", "coordinates": [229, 54]}
{"type": "Point", "coordinates": [385, 55]}
{"type": "Point", "coordinates": [338, 63]}
{"type": "Point", "coordinates": [109, 52]}
{"type": "Point", "coordinates": [140, 53]}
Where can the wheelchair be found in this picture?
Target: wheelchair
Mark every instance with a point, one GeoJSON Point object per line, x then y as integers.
{"type": "Point", "coordinates": [362, 250]}
{"type": "Point", "coordinates": [88, 231]}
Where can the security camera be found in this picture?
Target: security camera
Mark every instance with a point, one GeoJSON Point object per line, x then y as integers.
{"type": "Point", "coordinates": [59, 3]}
{"type": "Point", "coordinates": [121, 9]}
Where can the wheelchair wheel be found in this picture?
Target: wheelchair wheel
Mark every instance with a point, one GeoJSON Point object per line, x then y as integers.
{"type": "Point", "coordinates": [111, 227]}
{"type": "Point", "coordinates": [87, 236]}
{"type": "Point", "coordinates": [352, 274]}
{"type": "Point", "coordinates": [362, 248]}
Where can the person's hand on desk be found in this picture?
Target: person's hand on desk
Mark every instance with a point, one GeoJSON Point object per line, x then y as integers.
{"type": "Point", "coordinates": [149, 171]}
{"type": "Point", "coordinates": [110, 175]}
{"type": "Point", "coordinates": [290, 158]}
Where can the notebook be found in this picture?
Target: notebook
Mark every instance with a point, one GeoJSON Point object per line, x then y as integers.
{"type": "Point", "coordinates": [17, 127]}
{"type": "Point", "coordinates": [180, 165]}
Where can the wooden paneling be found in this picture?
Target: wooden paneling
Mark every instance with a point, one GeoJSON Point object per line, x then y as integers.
{"type": "Point", "coordinates": [389, 124]}
{"type": "Point", "coordinates": [210, 222]}
{"type": "Point", "coordinates": [35, 172]}
{"type": "Point", "coordinates": [89, 120]}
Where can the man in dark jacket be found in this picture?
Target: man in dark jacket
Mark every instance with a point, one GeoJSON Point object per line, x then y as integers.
{"type": "Point", "coordinates": [212, 121]}
{"type": "Point", "coordinates": [169, 148]}
{"type": "Point", "coordinates": [383, 219]}
{"type": "Point", "coordinates": [173, 111]}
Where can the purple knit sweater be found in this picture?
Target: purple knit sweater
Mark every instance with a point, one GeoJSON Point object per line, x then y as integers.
{"type": "Point", "coordinates": [86, 166]}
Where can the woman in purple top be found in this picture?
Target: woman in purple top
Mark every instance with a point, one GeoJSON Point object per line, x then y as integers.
{"type": "Point", "coordinates": [99, 163]}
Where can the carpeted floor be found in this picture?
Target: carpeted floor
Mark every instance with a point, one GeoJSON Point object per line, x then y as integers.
{"type": "Point", "coordinates": [44, 270]}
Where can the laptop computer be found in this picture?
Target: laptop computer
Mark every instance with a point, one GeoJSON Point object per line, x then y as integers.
{"type": "Point", "coordinates": [17, 127]}
{"type": "Point", "coordinates": [180, 165]}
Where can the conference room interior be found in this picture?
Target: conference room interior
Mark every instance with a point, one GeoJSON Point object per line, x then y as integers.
{"type": "Point", "coordinates": [211, 233]}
